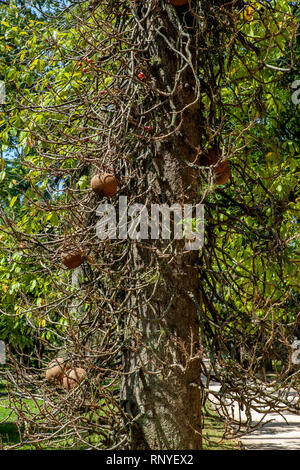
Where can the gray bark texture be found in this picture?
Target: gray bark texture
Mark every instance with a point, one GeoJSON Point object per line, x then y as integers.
{"type": "Point", "coordinates": [162, 391]}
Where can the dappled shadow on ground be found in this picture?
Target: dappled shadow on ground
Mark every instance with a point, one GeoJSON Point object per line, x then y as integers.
{"type": "Point", "coordinates": [274, 436]}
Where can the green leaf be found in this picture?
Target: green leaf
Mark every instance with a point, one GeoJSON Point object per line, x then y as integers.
{"type": "Point", "coordinates": [13, 201]}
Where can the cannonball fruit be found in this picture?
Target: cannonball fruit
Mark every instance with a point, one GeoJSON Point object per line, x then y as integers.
{"type": "Point", "coordinates": [211, 157]}
{"type": "Point", "coordinates": [221, 169]}
{"type": "Point", "coordinates": [222, 172]}
{"type": "Point", "coordinates": [105, 184]}
{"type": "Point", "coordinates": [179, 3]}
{"type": "Point", "coordinates": [72, 259]}
{"type": "Point", "coordinates": [56, 369]}
{"type": "Point", "coordinates": [73, 377]}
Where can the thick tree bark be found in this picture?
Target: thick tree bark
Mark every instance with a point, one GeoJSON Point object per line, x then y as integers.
{"type": "Point", "coordinates": [163, 393]}
{"type": "Point", "coordinates": [163, 390]}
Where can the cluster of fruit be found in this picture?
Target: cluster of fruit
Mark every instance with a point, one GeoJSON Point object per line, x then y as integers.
{"type": "Point", "coordinates": [60, 372]}
{"type": "Point", "coordinates": [104, 184]}
{"type": "Point", "coordinates": [85, 66]}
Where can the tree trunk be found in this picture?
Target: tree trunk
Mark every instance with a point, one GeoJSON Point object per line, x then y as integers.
{"type": "Point", "coordinates": [162, 390]}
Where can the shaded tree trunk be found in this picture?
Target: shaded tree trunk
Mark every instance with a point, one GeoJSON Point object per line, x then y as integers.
{"type": "Point", "coordinates": [162, 393]}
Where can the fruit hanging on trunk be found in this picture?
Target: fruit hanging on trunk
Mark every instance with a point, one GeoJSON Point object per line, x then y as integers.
{"type": "Point", "coordinates": [221, 168]}
{"type": "Point", "coordinates": [179, 3]}
{"type": "Point", "coordinates": [56, 369]}
{"type": "Point", "coordinates": [105, 184]}
{"type": "Point", "coordinates": [72, 259]}
{"type": "Point", "coordinates": [73, 377]}
{"type": "Point", "coordinates": [222, 172]}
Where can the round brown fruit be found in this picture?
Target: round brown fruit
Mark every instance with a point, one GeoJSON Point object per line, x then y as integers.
{"type": "Point", "coordinates": [105, 184]}
{"type": "Point", "coordinates": [222, 172]}
{"type": "Point", "coordinates": [72, 259]}
{"type": "Point", "coordinates": [211, 157]}
{"type": "Point", "coordinates": [56, 369]}
{"type": "Point", "coordinates": [73, 378]}
{"type": "Point", "coordinates": [179, 3]}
